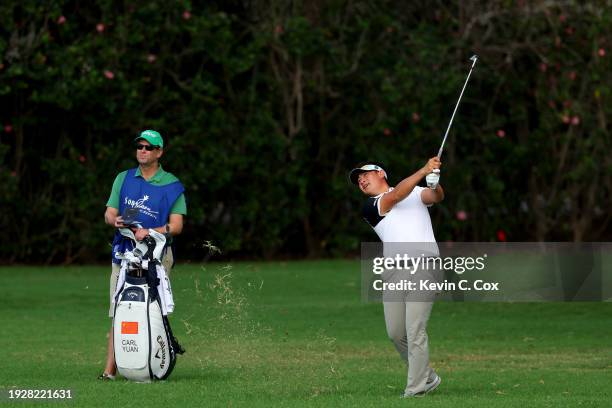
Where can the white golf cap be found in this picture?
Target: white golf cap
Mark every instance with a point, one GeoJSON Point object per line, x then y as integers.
{"type": "Point", "coordinates": [354, 174]}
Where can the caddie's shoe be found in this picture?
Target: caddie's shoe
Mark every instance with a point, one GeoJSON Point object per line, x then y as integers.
{"type": "Point", "coordinates": [431, 385]}
{"type": "Point", "coordinates": [106, 377]}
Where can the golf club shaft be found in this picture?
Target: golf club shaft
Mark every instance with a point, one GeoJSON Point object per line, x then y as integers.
{"type": "Point", "coordinates": [474, 58]}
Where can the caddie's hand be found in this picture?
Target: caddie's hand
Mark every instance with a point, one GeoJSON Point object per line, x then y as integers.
{"type": "Point", "coordinates": [141, 233]}
{"type": "Point", "coordinates": [119, 222]}
{"type": "Point", "coordinates": [433, 163]}
{"type": "Point", "coordinates": [433, 179]}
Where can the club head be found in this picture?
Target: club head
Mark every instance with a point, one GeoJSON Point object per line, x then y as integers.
{"type": "Point", "coordinates": [473, 58]}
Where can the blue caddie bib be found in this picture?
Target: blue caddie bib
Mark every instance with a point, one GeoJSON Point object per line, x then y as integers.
{"type": "Point", "coordinates": [153, 202]}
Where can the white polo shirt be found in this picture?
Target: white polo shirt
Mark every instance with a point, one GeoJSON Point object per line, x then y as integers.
{"type": "Point", "coordinates": [407, 221]}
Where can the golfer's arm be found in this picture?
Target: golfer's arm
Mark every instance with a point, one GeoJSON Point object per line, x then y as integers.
{"type": "Point", "coordinates": [110, 215]}
{"type": "Point", "coordinates": [429, 196]}
{"type": "Point", "coordinates": [401, 191]}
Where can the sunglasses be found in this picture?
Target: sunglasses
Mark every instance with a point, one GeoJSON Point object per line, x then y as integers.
{"type": "Point", "coordinates": [148, 148]}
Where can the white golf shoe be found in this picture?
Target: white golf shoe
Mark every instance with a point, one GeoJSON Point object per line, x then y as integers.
{"type": "Point", "coordinates": [431, 385]}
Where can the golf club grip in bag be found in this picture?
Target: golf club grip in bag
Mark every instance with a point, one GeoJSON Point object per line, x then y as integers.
{"type": "Point", "coordinates": [144, 346]}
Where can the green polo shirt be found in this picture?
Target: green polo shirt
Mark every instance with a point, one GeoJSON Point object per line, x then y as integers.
{"type": "Point", "coordinates": [160, 178]}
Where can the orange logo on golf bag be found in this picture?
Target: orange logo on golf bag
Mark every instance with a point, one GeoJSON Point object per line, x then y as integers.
{"type": "Point", "coordinates": [129, 327]}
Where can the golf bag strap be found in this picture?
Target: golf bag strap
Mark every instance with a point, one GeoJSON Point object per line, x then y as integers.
{"type": "Point", "coordinates": [152, 279]}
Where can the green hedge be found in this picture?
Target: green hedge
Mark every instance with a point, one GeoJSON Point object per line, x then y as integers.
{"type": "Point", "coordinates": [266, 106]}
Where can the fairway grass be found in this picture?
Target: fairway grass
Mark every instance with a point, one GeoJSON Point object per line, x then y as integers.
{"type": "Point", "coordinates": [297, 334]}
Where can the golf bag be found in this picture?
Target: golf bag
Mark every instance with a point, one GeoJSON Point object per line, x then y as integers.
{"type": "Point", "coordinates": [145, 348]}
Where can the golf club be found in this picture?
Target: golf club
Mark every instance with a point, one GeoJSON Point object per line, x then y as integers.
{"type": "Point", "coordinates": [473, 58]}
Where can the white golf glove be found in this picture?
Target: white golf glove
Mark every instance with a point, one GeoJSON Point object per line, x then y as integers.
{"type": "Point", "coordinates": [433, 179]}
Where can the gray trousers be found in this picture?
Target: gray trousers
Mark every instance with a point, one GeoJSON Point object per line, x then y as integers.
{"type": "Point", "coordinates": [167, 262]}
{"type": "Point", "coordinates": [406, 324]}
{"type": "Point", "coordinates": [406, 317]}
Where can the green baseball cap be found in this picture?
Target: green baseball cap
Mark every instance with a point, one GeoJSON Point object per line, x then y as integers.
{"type": "Point", "coordinates": [152, 137]}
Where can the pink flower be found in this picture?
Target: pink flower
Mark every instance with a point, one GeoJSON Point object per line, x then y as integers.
{"type": "Point", "coordinates": [61, 20]}
{"type": "Point", "coordinates": [565, 119]}
{"type": "Point", "coordinates": [151, 58]}
{"type": "Point", "coordinates": [572, 75]}
{"type": "Point", "coordinates": [562, 18]}
{"type": "Point", "coordinates": [416, 117]}
{"type": "Point", "coordinates": [501, 236]}
{"type": "Point", "coordinates": [575, 120]}
{"type": "Point", "coordinates": [543, 67]}
{"type": "Point", "coordinates": [501, 133]}
{"type": "Point", "coordinates": [100, 27]}
{"type": "Point", "coordinates": [82, 159]}
{"type": "Point", "coordinates": [601, 52]}
{"type": "Point", "coordinates": [387, 132]}
{"type": "Point", "coordinates": [8, 128]}
{"type": "Point", "coordinates": [461, 215]}
{"type": "Point", "coordinates": [109, 74]}
{"type": "Point", "coordinates": [186, 15]}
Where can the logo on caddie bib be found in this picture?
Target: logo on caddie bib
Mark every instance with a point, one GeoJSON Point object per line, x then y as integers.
{"type": "Point", "coordinates": [140, 204]}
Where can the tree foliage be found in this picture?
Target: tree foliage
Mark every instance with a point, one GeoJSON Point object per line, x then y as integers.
{"type": "Point", "coordinates": [265, 106]}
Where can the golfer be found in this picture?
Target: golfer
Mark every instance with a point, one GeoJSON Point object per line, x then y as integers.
{"type": "Point", "coordinates": [399, 215]}
{"type": "Point", "coordinates": [159, 197]}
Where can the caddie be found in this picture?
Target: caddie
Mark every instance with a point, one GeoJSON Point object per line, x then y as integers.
{"type": "Point", "coordinates": [159, 197]}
